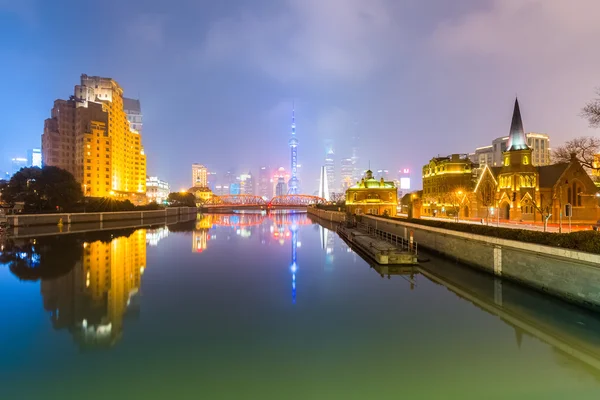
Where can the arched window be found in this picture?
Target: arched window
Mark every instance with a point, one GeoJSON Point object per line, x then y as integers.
{"type": "Point", "coordinates": [579, 193]}
{"type": "Point", "coordinates": [525, 160]}
{"type": "Point", "coordinates": [570, 195]}
{"type": "Point", "coordinates": [354, 197]}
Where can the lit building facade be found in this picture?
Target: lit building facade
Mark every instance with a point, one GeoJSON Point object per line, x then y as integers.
{"type": "Point", "coordinates": [280, 179]}
{"type": "Point", "coordinates": [246, 182]}
{"type": "Point", "coordinates": [128, 160]}
{"type": "Point", "coordinates": [199, 175]}
{"type": "Point", "coordinates": [539, 143]}
{"type": "Point", "coordinates": [202, 194]}
{"type": "Point", "coordinates": [157, 190]}
{"type": "Point", "coordinates": [34, 158]}
{"type": "Point", "coordinates": [596, 165]}
{"type": "Point", "coordinates": [346, 172]}
{"type": "Point", "coordinates": [17, 163]}
{"type": "Point", "coordinates": [133, 111]}
{"type": "Point", "coordinates": [520, 191]}
{"type": "Point", "coordinates": [483, 156]}
{"type": "Point", "coordinates": [445, 179]}
{"type": "Point", "coordinates": [324, 185]}
{"type": "Point", "coordinates": [265, 185]}
{"type": "Point", "coordinates": [372, 196]}
{"type": "Point", "coordinates": [330, 170]}
{"type": "Point", "coordinates": [90, 136]}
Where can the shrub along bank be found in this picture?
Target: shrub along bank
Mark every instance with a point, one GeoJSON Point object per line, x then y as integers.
{"type": "Point", "coordinates": [588, 241]}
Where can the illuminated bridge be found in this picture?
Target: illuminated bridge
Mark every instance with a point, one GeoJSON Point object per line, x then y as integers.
{"type": "Point", "coordinates": [248, 201]}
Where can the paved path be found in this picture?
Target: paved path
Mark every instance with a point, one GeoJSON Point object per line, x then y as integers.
{"type": "Point", "coordinates": [516, 225]}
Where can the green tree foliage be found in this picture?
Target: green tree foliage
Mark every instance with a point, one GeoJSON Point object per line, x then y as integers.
{"type": "Point", "coordinates": [43, 189]}
{"type": "Point", "coordinates": [177, 199]}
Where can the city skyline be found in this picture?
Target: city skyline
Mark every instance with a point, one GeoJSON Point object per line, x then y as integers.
{"type": "Point", "coordinates": [463, 64]}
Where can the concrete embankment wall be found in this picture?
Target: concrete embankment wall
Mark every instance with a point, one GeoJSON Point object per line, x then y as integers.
{"type": "Point", "coordinates": [334, 216]}
{"type": "Point", "coordinates": [568, 274]}
{"type": "Point", "coordinates": [15, 221]}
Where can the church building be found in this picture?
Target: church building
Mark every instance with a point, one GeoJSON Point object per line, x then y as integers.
{"type": "Point", "coordinates": [519, 191]}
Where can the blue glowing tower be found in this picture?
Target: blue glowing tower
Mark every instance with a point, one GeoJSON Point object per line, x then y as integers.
{"type": "Point", "coordinates": [293, 183]}
{"type": "Point", "coordinates": [294, 266]}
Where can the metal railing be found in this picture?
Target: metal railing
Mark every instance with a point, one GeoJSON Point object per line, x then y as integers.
{"type": "Point", "coordinates": [398, 241]}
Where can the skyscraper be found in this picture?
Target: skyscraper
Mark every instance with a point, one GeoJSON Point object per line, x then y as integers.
{"type": "Point", "coordinates": [346, 171]}
{"type": "Point", "coordinates": [356, 170]}
{"type": "Point", "coordinates": [330, 168]}
{"type": "Point", "coordinates": [323, 184]}
{"type": "Point", "coordinates": [293, 182]}
{"type": "Point", "coordinates": [199, 175]}
{"type": "Point", "coordinates": [265, 186]}
{"type": "Point", "coordinates": [133, 110]}
{"type": "Point", "coordinates": [89, 135]}
{"type": "Point", "coordinates": [246, 183]}
{"type": "Point", "coordinates": [127, 157]}
{"type": "Point", "coordinates": [34, 158]}
{"type": "Point", "coordinates": [17, 163]}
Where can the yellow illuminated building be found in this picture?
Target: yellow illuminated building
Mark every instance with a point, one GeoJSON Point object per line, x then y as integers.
{"type": "Point", "coordinates": [596, 170]}
{"type": "Point", "coordinates": [90, 136]}
{"type": "Point", "coordinates": [445, 180]}
{"type": "Point", "coordinates": [372, 196]}
{"type": "Point", "coordinates": [112, 273]}
{"type": "Point", "coordinates": [128, 160]}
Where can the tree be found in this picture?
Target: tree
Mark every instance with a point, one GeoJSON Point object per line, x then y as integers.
{"type": "Point", "coordinates": [584, 148]}
{"type": "Point", "coordinates": [486, 197]}
{"type": "Point", "coordinates": [544, 208]}
{"type": "Point", "coordinates": [42, 189]}
{"type": "Point", "coordinates": [591, 111]}
{"type": "Point", "coordinates": [178, 199]}
{"type": "Point", "coordinates": [456, 198]}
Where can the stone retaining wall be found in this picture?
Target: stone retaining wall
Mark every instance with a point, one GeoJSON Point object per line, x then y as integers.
{"type": "Point", "coordinates": [334, 216]}
{"type": "Point", "coordinates": [15, 221]}
{"type": "Point", "coordinates": [568, 274]}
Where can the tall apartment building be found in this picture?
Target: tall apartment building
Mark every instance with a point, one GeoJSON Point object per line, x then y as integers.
{"type": "Point", "coordinates": [90, 136]}
{"type": "Point", "coordinates": [483, 156]}
{"type": "Point", "coordinates": [330, 168]}
{"type": "Point", "coordinates": [346, 172]}
{"type": "Point", "coordinates": [133, 110]}
{"type": "Point", "coordinates": [199, 175]}
{"type": "Point", "coordinates": [538, 142]}
{"type": "Point", "coordinates": [265, 186]}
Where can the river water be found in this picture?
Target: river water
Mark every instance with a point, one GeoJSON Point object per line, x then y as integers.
{"type": "Point", "coordinates": [254, 306]}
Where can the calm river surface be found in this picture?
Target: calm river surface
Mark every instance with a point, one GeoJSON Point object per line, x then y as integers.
{"type": "Point", "coordinates": [255, 306]}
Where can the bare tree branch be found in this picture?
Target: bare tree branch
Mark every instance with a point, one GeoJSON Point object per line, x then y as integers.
{"type": "Point", "coordinates": [591, 111]}
{"type": "Point", "coordinates": [585, 149]}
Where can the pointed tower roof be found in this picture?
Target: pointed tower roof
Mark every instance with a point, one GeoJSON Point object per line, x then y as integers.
{"type": "Point", "coordinates": [516, 139]}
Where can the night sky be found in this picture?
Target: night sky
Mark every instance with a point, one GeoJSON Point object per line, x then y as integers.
{"type": "Point", "coordinates": [216, 79]}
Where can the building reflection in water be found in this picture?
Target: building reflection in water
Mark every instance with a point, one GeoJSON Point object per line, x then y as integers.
{"type": "Point", "coordinates": [92, 300]}
{"type": "Point", "coordinates": [276, 227]}
{"type": "Point", "coordinates": [153, 236]}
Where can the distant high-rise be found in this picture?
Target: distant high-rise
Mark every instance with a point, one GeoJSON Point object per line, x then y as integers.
{"type": "Point", "coordinates": [538, 142]}
{"type": "Point", "coordinates": [280, 179]}
{"type": "Point", "coordinates": [17, 163]}
{"type": "Point", "coordinates": [157, 190]}
{"type": "Point", "coordinates": [199, 175]}
{"type": "Point", "coordinates": [90, 136]}
{"type": "Point", "coordinates": [346, 172]}
{"type": "Point", "coordinates": [133, 110]}
{"type": "Point", "coordinates": [293, 182]}
{"type": "Point", "coordinates": [246, 183]}
{"type": "Point", "coordinates": [323, 184]}
{"type": "Point", "coordinates": [357, 172]}
{"type": "Point", "coordinates": [330, 169]}
{"type": "Point", "coordinates": [34, 158]}
{"type": "Point", "coordinates": [265, 186]}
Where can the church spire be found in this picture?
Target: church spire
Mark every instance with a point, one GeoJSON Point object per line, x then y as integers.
{"type": "Point", "coordinates": [516, 139]}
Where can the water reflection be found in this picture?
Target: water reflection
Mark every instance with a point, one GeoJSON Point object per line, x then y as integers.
{"type": "Point", "coordinates": [89, 282]}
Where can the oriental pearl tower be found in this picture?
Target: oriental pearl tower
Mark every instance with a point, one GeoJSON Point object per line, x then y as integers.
{"type": "Point", "coordinates": [293, 182]}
